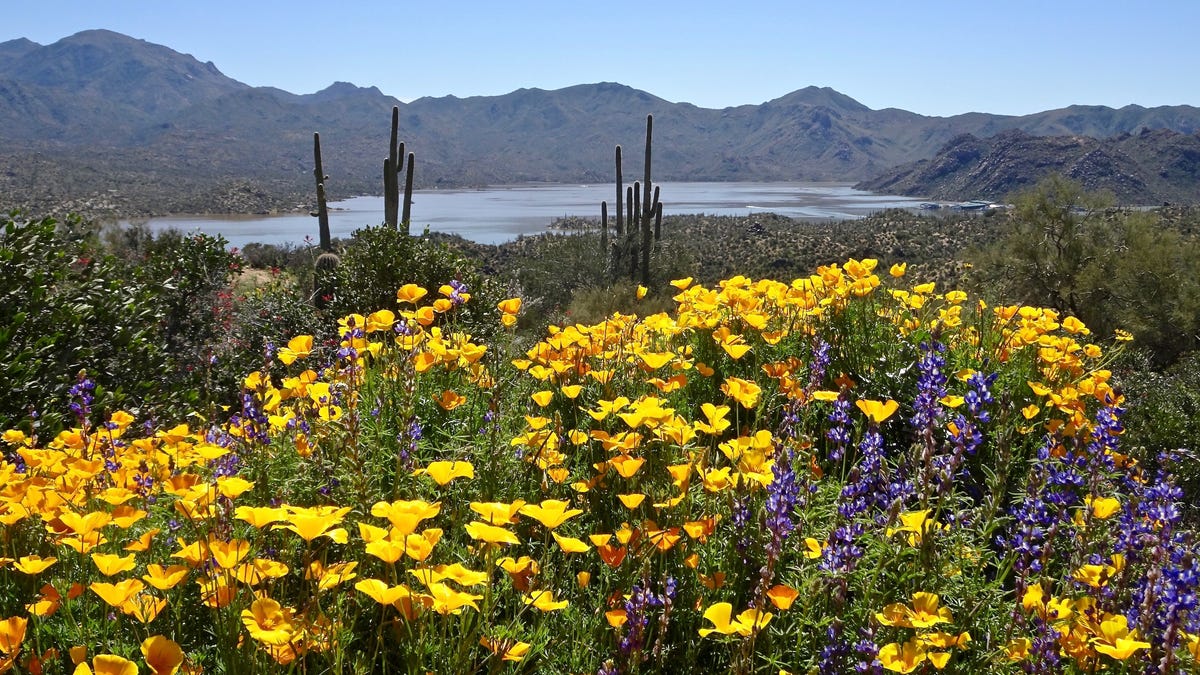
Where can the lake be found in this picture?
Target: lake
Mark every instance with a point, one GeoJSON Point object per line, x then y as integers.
{"type": "Point", "coordinates": [498, 214]}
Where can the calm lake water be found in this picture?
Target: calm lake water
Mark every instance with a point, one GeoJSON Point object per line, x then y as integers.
{"type": "Point", "coordinates": [499, 214]}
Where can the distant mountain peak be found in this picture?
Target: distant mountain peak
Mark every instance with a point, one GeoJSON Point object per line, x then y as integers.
{"type": "Point", "coordinates": [820, 96]}
{"type": "Point", "coordinates": [343, 89]}
{"type": "Point", "coordinates": [18, 44]}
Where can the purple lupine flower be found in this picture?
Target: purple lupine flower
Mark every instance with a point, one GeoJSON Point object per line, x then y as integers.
{"type": "Point", "coordinates": [458, 289]}
{"type": "Point", "coordinates": [980, 395]}
{"type": "Point", "coordinates": [839, 433]}
{"type": "Point", "coordinates": [842, 554]}
{"type": "Point", "coordinates": [636, 619]}
{"type": "Point", "coordinates": [870, 484]}
{"type": "Point", "coordinates": [741, 523]}
{"type": "Point", "coordinates": [835, 652]}
{"type": "Point", "coordinates": [819, 364]}
{"type": "Point", "coordinates": [407, 440]}
{"type": "Point", "coordinates": [1044, 649]}
{"type": "Point", "coordinates": [81, 394]}
{"type": "Point", "coordinates": [868, 653]}
{"type": "Point", "coordinates": [782, 496]}
{"type": "Point", "coordinates": [1033, 517]}
{"type": "Point", "coordinates": [931, 387]}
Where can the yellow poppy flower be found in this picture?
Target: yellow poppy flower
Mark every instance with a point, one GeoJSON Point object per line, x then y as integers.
{"type": "Point", "coordinates": [405, 515]}
{"type": "Point", "coordinates": [616, 617]}
{"type": "Point", "coordinates": [813, 549]}
{"type": "Point", "coordinates": [626, 465]}
{"type": "Point", "coordinates": [119, 593]}
{"type": "Point", "coordinates": [902, 658]}
{"type": "Point", "coordinates": [410, 293]}
{"type": "Point", "coordinates": [632, 501]}
{"type": "Point", "coordinates": [419, 546]}
{"type": "Point", "coordinates": [47, 603]}
{"type": "Point", "coordinates": [12, 634]}
{"type": "Point", "coordinates": [316, 522]}
{"type": "Point", "coordinates": [570, 544]}
{"type": "Point", "coordinates": [107, 664]}
{"type": "Point", "coordinates": [144, 607]}
{"type": "Point", "coordinates": [332, 576]}
{"type": "Point", "coordinates": [551, 513]}
{"type": "Point", "coordinates": [227, 554]}
{"type": "Point", "coordinates": [165, 578]}
{"type": "Point", "coordinates": [490, 533]}
{"type": "Point", "coordinates": [442, 472]}
{"type": "Point", "coordinates": [449, 400]}
{"type": "Point", "coordinates": [509, 306]}
{"type": "Point", "coordinates": [297, 348]}
{"type": "Point", "coordinates": [142, 543]}
{"type": "Point", "coordinates": [507, 650]}
{"type": "Point", "coordinates": [720, 615]}
{"type": "Point", "coordinates": [1115, 640]}
{"type": "Point", "coordinates": [1103, 507]}
{"type": "Point", "coordinates": [544, 601]}
{"type": "Point", "coordinates": [926, 612]}
{"type": "Point", "coordinates": [260, 516]}
{"type": "Point", "coordinates": [33, 564]}
{"type": "Point", "coordinates": [877, 411]}
{"type": "Point", "coordinates": [702, 529]}
{"type": "Point", "coordinates": [397, 596]}
{"type": "Point", "coordinates": [446, 600]}
{"type": "Point", "coordinates": [782, 596]}
{"type": "Point", "coordinates": [745, 392]}
{"type": "Point", "coordinates": [268, 622]}
{"type": "Point", "coordinates": [163, 656]}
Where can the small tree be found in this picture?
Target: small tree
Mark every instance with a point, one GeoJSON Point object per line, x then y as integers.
{"type": "Point", "coordinates": [1113, 269]}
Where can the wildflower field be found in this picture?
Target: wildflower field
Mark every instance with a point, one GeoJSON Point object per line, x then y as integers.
{"type": "Point", "coordinates": [845, 473]}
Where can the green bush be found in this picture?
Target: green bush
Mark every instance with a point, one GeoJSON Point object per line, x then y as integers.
{"type": "Point", "coordinates": [379, 260]}
{"type": "Point", "coordinates": [1113, 269]}
{"type": "Point", "coordinates": [137, 322]}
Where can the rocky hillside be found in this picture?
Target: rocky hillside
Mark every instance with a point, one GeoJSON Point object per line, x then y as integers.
{"type": "Point", "coordinates": [1150, 167]}
{"type": "Point", "coordinates": [162, 129]}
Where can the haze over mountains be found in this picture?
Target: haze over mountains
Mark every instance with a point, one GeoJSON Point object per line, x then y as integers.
{"type": "Point", "coordinates": [99, 111]}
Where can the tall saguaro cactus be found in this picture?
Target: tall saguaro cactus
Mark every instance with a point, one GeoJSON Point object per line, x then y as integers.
{"type": "Point", "coordinates": [639, 220]}
{"type": "Point", "coordinates": [326, 263]}
{"type": "Point", "coordinates": [392, 168]}
{"type": "Point", "coordinates": [322, 213]}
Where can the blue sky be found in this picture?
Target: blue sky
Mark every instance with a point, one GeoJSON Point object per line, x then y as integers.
{"type": "Point", "coordinates": [934, 58]}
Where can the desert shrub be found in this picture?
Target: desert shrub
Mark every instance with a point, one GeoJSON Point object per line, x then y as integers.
{"type": "Point", "coordinates": [287, 256]}
{"type": "Point", "coordinates": [595, 304]}
{"type": "Point", "coordinates": [136, 317]}
{"type": "Point", "coordinates": [1113, 269]}
{"type": "Point", "coordinates": [377, 261]}
{"type": "Point", "coordinates": [1164, 417]}
{"type": "Point", "coordinates": [260, 321]}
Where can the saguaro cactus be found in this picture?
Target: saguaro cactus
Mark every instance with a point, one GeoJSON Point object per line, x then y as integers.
{"type": "Point", "coordinates": [322, 213]}
{"type": "Point", "coordinates": [326, 264]}
{"type": "Point", "coordinates": [392, 168]}
{"type": "Point", "coordinates": [642, 223]}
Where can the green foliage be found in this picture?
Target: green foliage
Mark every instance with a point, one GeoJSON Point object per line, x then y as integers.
{"type": "Point", "coordinates": [1112, 269]}
{"type": "Point", "coordinates": [379, 260]}
{"type": "Point", "coordinates": [593, 305]}
{"type": "Point", "coordinates": [262, 319]}
{"type": "Point", "coordinates": [138, 323]}
{"type": "Point", "coordinates": [1164, 416]}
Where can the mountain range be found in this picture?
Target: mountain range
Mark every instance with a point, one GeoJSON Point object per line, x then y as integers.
{"type": "Point", "coordinates": [101, 113]}
{"type": "Point", "coordinates": [1149, 167]}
